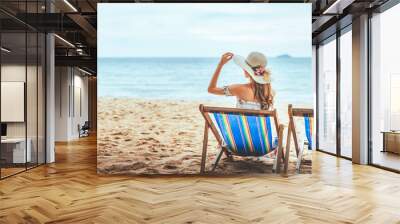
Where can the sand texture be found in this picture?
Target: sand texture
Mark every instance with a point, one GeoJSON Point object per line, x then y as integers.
{"type": "Point", "coordinates": [142, 137]}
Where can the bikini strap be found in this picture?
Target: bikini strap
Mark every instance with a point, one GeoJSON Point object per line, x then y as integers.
{"type": "Point", "coordinates": [227, 92]}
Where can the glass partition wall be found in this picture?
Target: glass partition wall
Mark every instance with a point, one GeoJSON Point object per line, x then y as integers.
{"type": "Point", "coordinates": [13, 111]}
{"type": "Point", "coordinates": [334, 105]}
{"type": "Point", "coordinates": [327, 96]}
{"type": "Point", "coordinates": [385, 90]}
{"type": "Point", "coordinates": [346, 94]}
{"type": "Point", "coordinates": [334, 94]}
{"type": "Point", "coordinates": [22, 77]}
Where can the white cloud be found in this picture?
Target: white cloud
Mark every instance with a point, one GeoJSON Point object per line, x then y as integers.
{"type": "Point", "coordinates": [186, 29]}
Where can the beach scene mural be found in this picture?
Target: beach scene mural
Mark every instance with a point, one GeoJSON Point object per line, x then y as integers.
{"type": "Point", "coordinates": [153, 75]}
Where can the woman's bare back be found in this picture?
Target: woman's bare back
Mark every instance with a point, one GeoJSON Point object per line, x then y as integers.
{"type": "Point", "coordinates": [245, 92]}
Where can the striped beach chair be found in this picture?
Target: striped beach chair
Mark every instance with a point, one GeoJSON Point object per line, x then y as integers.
{"type": "Point", "coordinates": [308, 116]}
{"type": "Point", "coordinates": [242, 132]}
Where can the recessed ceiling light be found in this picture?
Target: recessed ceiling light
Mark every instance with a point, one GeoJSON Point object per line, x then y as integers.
{"type": "Point", "coordinates": [84, 71]}
{"type": "Point", "coordinates": [337, 7]}
{"type": "Point", "coordinates": [70, 5]}
{"type": "Point", "coordinates": [5, 50]}
{"type": "Point", "coordinates": [64, 40]}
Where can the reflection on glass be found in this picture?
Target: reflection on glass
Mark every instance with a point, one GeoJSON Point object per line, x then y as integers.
{"type": "Point", "coordinates": [14, 153]}
{"type": "Point", "coordinates": [31, 101]}
{"type": "Point", "coordinates": [346, 94]}
{"type": "Point", "coordinates": [327, 96]}
{"type": "Point", "coordinates": [41, 98]}
{"type": "Point", "coordinates": [385, 85]}
{"type": "Point", "coordinates": [22, 92]}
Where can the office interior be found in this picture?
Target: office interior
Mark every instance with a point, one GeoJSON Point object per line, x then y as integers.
{"type": "Point", "coordinates": [45, 89]}
{"type": "Point", "coordinates": [48, 79]}
{"type": "Point", "coordinates": [363, 45]}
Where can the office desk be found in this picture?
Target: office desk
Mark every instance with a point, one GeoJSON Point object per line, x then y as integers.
{"type": "Point", "coordinates": [391, 141]}
{"type": "Point", "coordinates": [13, 150]}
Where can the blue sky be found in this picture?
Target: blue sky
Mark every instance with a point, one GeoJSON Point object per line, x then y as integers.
{"type": "Point", "coordinates": [203, 30]}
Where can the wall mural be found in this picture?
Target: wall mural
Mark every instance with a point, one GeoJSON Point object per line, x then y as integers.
{"type": "Point", "coordinates": [157, 63]}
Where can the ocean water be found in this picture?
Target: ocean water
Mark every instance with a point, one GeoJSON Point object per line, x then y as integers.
{"type": "Point", "coordinates": [188, 78]}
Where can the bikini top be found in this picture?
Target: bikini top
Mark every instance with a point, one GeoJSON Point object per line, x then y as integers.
{"type": "Point", "coordinates": [243, 104]}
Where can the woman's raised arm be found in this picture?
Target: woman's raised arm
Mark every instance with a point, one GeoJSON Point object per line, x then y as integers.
{"type": "Point", "coordinates": [212, 87]}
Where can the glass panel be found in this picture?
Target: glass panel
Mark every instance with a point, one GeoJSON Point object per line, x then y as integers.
{"type": "Point", "coordinates": [32, 89]}
{"type": "Point", "coordinates": [23, 90]}
{"type": "Point", "coordinates": [31, 100]}
{"type": "Point", "coordinates": [385, 84]}
{"type": "Point", "coordinates": [346, 94]}
{"type": "Point", "coordinates": [41, 99]}
{"type": "Point", "coordinates": [327, 97]}
{"type": "Point", "coordinates": [13, 87]}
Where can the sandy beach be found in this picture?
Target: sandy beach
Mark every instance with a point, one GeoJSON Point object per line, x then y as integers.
{"type": "Point", "coordinates": [141, 137]}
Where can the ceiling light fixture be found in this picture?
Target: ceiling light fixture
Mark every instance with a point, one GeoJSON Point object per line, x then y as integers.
{"type": "Point", "coordinates": [337, 7]}
{"type": "Point", "coordinates": [70, 5]}
{"type": "Point", "coordinates": [84, 71]}
{"type": "Point", "coordinates": [79, 51]}
{"type": "Point", "coordinates": [331, 7]}
{"type": "Point", "coordinates": [64, 40]}
{"type": "Point", "coordinates": [5, 50]}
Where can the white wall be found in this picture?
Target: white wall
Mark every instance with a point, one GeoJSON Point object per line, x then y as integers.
{"type": "Point", "coordinates": [71, 102]}
{"type": "Point", "coordinates": [80, 110]}
{"type": "Point", "coordinates": [33, 127]}
{"type": "Point", "coordinates": [62, 82]}
{"type": "Point", "coordinates": [14, 72]}
{"type": "Point", "coordinates": [17, 72]}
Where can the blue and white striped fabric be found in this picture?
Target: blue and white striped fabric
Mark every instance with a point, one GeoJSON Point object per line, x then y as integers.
{"type": "Point", "coordinates": [245, 135]}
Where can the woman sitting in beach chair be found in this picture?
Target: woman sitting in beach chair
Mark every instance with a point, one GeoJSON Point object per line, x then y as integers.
{"type": "Point", "coordinates": [239, 131]}
{"type": "Point", "coordinates": [307, 115]}
{"type": "Point", "coordinates": [257, 93]}
{"type": "Point", "coordinates": [242, 132]}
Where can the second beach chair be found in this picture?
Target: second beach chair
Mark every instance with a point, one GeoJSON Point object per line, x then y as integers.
{"type": "Point", "coordinates": [308, 115]}
{"type": "Point", "coordinates": [242, 132]}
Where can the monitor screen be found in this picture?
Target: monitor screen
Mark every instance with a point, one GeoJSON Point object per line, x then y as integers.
{"type": "Point", "coordinates": [3, 129]}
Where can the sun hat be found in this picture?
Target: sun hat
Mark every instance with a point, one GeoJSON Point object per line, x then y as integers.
{"type": "Point", "coordinates": [254, 64]}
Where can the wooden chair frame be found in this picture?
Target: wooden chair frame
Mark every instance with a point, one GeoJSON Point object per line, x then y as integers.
{"type": "Point", "coordinates": [210, 125]}
{"type": "Point", "coordinates": [295, 112]}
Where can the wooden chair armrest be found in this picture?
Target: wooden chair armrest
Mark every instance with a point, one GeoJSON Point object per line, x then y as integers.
{"type": "Point", "coordinates": [279, 157]}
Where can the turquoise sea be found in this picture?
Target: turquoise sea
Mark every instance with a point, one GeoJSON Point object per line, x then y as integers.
{"type": "Point", "coordinates": [188, 78]}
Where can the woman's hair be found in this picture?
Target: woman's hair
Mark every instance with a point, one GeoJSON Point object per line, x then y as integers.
{"type": "Point", "coordinates": [263, 92]}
